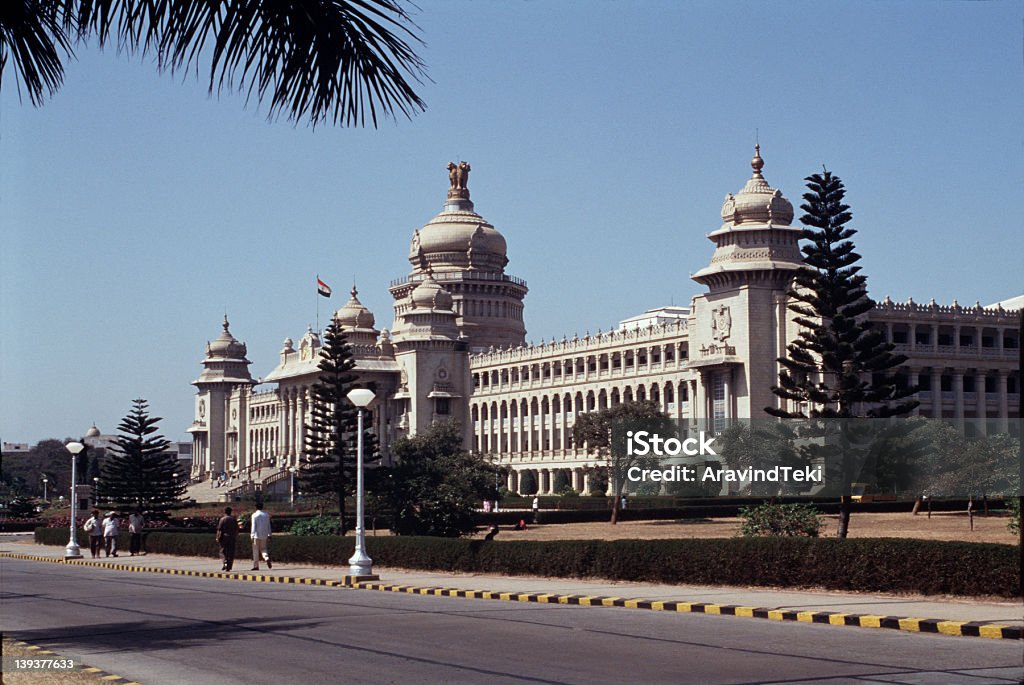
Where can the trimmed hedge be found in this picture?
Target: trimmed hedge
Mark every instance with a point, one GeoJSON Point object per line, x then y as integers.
{"type": "Point", "coordinates": [861, 564]}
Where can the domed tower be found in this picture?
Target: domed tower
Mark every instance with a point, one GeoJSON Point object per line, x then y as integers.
{"type": "Point", "coordinates": [357, 321]}
{"type": "Point", "coordinates": [740, 327]}
{"type": "Point", "coordinates": [222, 387]}
{"type": "Point", "coordinates": [433, 359]}
{"type": "Point", "coordinates": [467, 257]}
{"type": "Point", "coordinates": [755, 242]}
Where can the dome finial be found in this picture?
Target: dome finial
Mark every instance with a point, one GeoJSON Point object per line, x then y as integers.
{"type": "Point", "coordinates": [225, 324]}
{"type": "Point", "coordinates": [353, 292]}
{"type": "Point", "coordinates": [757, 163]}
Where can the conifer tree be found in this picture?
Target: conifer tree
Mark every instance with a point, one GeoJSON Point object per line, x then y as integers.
{"type": "Point", "coordinates": [840, 365]}
{"type": "Point", "coordinates": [139, 472]}
{"type": "Point", "coordinates": [330, 444]}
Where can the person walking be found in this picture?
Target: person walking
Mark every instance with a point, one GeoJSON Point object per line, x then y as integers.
{"type": "Point", "coordinates": [536, 509]}
{"type": "Point", "coordinates": [94, 527]}
{"type": "Point", "coordinates": [260, 533]}
{"type": "Point", "coordinates": [227, 536]}
{"type": "Point", "coordinates": [110, 530]}
{"type": "Point", "coordinates": [135, 525]}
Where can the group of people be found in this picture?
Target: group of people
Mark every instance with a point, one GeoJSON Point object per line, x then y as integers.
{"type": "Point", "coordinates": [259, 530]}
{"type": "Point", "coordinates": [103, 533]}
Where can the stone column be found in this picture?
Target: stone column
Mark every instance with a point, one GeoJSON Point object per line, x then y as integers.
{"type": "Point", "coordinates": [727, 393]}
{"type": "Point", "coordinates": [577, 480]}
{"type": "Point", "coordinates": [979, 386]}
{"type": "Point", "coordinates": [301, 408]}
{"type": "Point", "coordinates": [586, 483]}
{"type": "Point", "coordinates": [1004, 401]}
{"type": "Point", "coordinates": [958, 398]}
{"type": "Point", "coordinates": [286, 426]}
{"type": "Point", "coordinates": [936, 392]}
{"type": "Point", "coordinates": [935, 338]}
{"type": "Point", "coordinates": [913, 337]}
{"type": "Point", "coordinates": [888, 331]}
{"type": "Point", "coordinates": [511, 481]}
{"type": "Point", "coordinates": [543, 481]}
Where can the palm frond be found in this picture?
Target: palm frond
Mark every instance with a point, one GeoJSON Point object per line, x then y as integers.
{"type": "Point", "coordinates": [339, 61]}
{"type": "Point", "coordinates": [32, 35]}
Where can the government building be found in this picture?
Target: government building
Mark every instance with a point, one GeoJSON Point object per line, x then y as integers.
{"type": "Point", "coordinates": [456, 350]}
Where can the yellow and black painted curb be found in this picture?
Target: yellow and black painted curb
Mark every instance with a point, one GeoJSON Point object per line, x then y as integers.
{"type": "Point", "coordinates": [231, 575]}
{"type": "Point", "coordinates": [901, 623]}
{"type": "Point", "coordinates": [915, 625]}
{"type": "Point", "coordinates": [101, 676]}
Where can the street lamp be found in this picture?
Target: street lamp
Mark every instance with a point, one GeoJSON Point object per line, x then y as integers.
{"type": "Point", "coordinates": [291, 488]}
{"type": "Point", "coordinates": [360, 564]}
{"type": "Point", "coordinates": [45, 482]}
{"type": "Point", "coordinates": [72, 551]}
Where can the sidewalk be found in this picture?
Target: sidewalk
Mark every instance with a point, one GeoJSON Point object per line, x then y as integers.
{"type": "Point", "coordinates": [917, 614]}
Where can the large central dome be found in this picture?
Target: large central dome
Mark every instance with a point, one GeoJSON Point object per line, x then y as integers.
{"type": "Point", "coordinates": [458, 239]}
{"type": "Point", "coordinates": [460, 253]}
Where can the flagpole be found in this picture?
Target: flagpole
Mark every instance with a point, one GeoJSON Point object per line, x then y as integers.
{"type": "Point", "coordinates": [318, 305]}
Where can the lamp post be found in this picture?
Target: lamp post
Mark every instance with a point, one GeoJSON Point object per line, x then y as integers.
{"type": "Point", "coordinates": [72, 550]}
{"type": "Point", "coordinates": [360, 564]}
{"type": "Point", "coordinates": [291, 487]}
{"type": "Point", "coordinates": [45, 482]}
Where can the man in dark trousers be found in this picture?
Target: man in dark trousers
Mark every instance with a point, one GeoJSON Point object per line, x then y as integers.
{"type": "Point", "coordinates": [227, 535]}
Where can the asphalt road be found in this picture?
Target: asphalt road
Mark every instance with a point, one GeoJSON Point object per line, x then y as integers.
{"type": "Point", "coordinates": [169, 630]}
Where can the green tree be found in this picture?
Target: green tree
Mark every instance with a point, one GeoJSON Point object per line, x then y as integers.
{"type": "Point", "coordinates": [435, 484]}
{"type": "Point", "coordinates": [839, 366]}
{"type": "Point", "coordinates": [527, 483]}
{"type": "Point", "coordinates": [140, 471]}
{"type": "Point", "coordinates": [330, 449]}
{"type": "Point", "coordinates": [322, 60]}
{"type": "Point", "coordinates": [761, 446]}
{"type": "Point", "coordinates": [604, 434]}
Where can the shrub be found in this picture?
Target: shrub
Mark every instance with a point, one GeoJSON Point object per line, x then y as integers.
{"type": "Point", "coordinates": [318, 525]}
{"type": "Point", "coordinates": [1013, 505]}
{"type": "Point", "coordinates": [780, 520]}
{"type": "Point", "coordinates": [859, 564]}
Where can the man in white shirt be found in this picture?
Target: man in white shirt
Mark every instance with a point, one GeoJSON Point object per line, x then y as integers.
{"type": "Point", "coordinates": [111, 527]}
{"type": "Point", "coordinates": [260, 533]}
{"type": "Point", "coordinates": [135, 524]}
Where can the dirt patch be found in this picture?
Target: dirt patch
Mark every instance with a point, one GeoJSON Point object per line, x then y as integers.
{"type": "Point", "coordinates": [941, 526]}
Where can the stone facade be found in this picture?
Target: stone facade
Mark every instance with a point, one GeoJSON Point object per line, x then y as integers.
{"type": "Point", "coordinates": [456, 350]}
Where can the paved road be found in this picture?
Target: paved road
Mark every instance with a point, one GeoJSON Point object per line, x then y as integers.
{"type": "Point", "coordinates": [169, 630]}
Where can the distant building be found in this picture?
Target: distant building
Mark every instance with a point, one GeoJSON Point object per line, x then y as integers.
{"type": "Point", "coordinates": [457, 350]}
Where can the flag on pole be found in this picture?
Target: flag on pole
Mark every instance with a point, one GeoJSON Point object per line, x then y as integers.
{"type": "Point", "coordinates": [322, 288]}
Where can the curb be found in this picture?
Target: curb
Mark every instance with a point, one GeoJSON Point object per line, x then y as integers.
{"type": "Point", "coordinates": [101, 676]}
{"type": "Point", "coordinates": [899, 623]}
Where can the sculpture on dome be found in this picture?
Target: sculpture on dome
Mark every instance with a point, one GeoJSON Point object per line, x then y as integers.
{"type": "Point", "coordinates": [458, 175]}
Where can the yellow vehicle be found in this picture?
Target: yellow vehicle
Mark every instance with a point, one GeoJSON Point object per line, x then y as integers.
{"type": "Point", "coordinates": [866, 492]}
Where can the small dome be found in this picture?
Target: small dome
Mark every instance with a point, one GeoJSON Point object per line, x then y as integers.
{"type": "Point", "coordinates": [226, 346]}
{"type": "Point", "coordinates": [757, 202]}
{"type": "Point", "coordinates": [93, 432]}
{"type": "Point", "coordinates": [353, 314]}
{"type": "Point", "coordinates": [430, 295]}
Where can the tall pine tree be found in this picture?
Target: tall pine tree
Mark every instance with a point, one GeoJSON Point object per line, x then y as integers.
{"type": "Point", "coordinates": [839, 366]}
{"type": "Point", "coordinates": [139, 472]}
{"type": "Point", "coordinates": [330, 445]}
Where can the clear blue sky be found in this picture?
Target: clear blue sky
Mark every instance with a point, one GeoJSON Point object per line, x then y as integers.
{"type": "Point", "coordinates": [603, 137]}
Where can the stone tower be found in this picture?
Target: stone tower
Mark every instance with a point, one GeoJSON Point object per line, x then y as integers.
{"type": "Point", "coordinates": [218, 422]}
{"type": "Point", "coordinates": [433, 359]}
{"type": "Point", "coordinates": [739, 327]}
{"type": "Point", "coordinates": [466, 256]}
